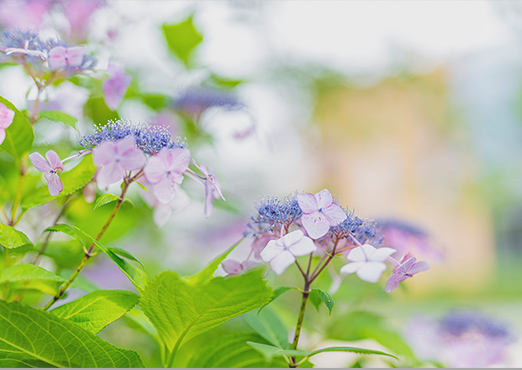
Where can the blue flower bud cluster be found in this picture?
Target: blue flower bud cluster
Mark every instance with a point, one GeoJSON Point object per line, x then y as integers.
{"type": "Point", "coordinates": [149, 138]}
{"type": "Point", "coordinates": [365, 231]}
{"type": "Point", "coordinates": [461, 322]}
{"type": "Point", "coordinates": [272, 212]}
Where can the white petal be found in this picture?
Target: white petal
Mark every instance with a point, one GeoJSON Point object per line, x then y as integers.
{"type": "Point", "coordinates": [292, 238]}
{"type": "Point", "coordinates": [381, 254]}
{"type": "Point", "coordinates": [272, 249]}
{"type": "Point", "coordinates": [371, 271]}
{"type": "Point", "coordinates": [302, 248]}
{"type": "Point", "coordinates": [324, 198]}
{"type": "Point", "coordinates": [351, 267]}
{"type": "Point", "coordinates": [360, 254]}
{"type": "Point", "coordinates": [334, 214]}
{"type": "Point", "coordinates": [281, 262]}
{"type": "Point", "coordinates": [315, 224]}
{"type": "Point", "coordinates": [307, 202]}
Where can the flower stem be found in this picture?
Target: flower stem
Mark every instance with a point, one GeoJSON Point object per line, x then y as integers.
{"type": "Point", "coordinates": [300, 319]}
{"type": "Point", "coordinates": [89, 253]}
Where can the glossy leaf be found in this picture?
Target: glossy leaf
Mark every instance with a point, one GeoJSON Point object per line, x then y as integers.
{"type": "Point", "coordinates": [25, 272]}
{"type": "Point", "coordinates": [11, 238]}
{"type": "Point", "coordinates": [180, 311]}
{"type": "Point", "coordinates": [72, 180]}
{"type": "Point", "coordinates": [36, 338]}
{"type": "Point", "coordinates": [182, 38]}
{"type": "Point", "coordinates": [58, 116]}
{"type": "Point", "coordinates": [19, 135]}
{"type": "Point", "coordinates": [106, 199]}
{"type": "Point", "coordinates": [96, 310]}
{"type": "Point", "coordinates": [318, 296]}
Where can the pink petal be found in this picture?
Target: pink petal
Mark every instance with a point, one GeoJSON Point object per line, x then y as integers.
{"type": "Point", "coordinates": [272, 249]}
{"type": "Point", "coordinates": [181, 199]}
{"type": "Point", "coordinates": [259, 244]}
{"type": "Point", "coordinates": [161, 215]}
{"type": "Point", "coordinates": [232, 267]}
{"type": "Point", "coordinates": [40, 162]}
{"type": "Point", "coordinates": [116, 85]}
{"type": "Point", "coordinates": [315, 224]}
{"type": "Point", "coordinates": [281, 262]}
{"type": "Point", "coordinates": [371, 271]}
{"type": "Point", "coordinates": [302, 248]}
{"type": "Point", "coordinates": [126, 144]}
{"type": "Point", "coordinates": [307, 203]}
{"type": "Point", "coordinates": [54, 160]}
{"type": "Point", "coordinates": [360, 254]}
{"type": "Point", "coordinates": [109, 174]}
{"type": "Point", "coordinates": [75, 56]}
{"type": "Point", "coordinates": [57, 58]}
{"type": "Point", "coordinates": [164, 190]}
{"type": "Point", "coordinates": [54, 183]}
{"type": "Point", "coordinates": [180, 160]}
{"type": "Point", "coordinates": [209, 198]}
{"type": "Point", "coordinates": [351, 267]}
{"type": "Point", "coordinates": [324, 198]}
{"type": "Point", "coordinates": [419, 267]}
{"type": "Point", "coordinates": [334, 214]}
{"type": "Point", "coordinates": [2, 135]}
{"type": "Point", "coordinates": [393, 282]}
{"type": "Point", "coordinates": [133, 159]}
{"type": "Point", "coordinates": [381, 254]}
{"type": "Point", "coordinates": [104, 153]}
{"type": "Point", "coordinates": [6, 116]}
{"type": "Point", "coordinates": [407, 265]}
{"type": "Point", "coordinates": [156, 168]}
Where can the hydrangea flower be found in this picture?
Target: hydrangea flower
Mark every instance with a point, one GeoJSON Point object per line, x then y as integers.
{"type": "Point", "coordinates": [115, 158]}
{"type": "Point", "coordinates": [165, 170]}
{"type": "Point", "coordinates": [282, 252]}
{"type": "Point", "coordinates": [233, 267]}
{"type": "Point", "coordinates": [6, 118]}
{"type": "Point", "coordinates": [408, 267]}
{"type": "Point", "coordinates": [116, 85]}
{"type": "Point", "coordinates": [49, 166]}
{"type": "Point", "coordinates": [319, 213]}
{"type": "Point", "coordinates": [61, 57]}
{"type": "Point", "coordinates": [367, 262]}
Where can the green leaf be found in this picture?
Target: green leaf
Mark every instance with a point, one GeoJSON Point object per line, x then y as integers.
{"type": "Point", "coordinates": [19, 135]}
{"type": "Point", "coordinates": [180, 311]}
{"type": "Point", "coordinates": [232, 351]}
{"type": "Point", "coordinates": [26, 272]}
{"type": "Point", "coordinates": [136, 275]}
{"type": "Point", "coordinates": [72, 181]}
{"type": "Point", "coordinates": [267, 324]}
{"type": "Point", "coordinates": [106, 199]}
{"type": "Point", "coordinates": [58, 116]}
{"type": "Point", "coordinates": [206, 274]}
{"type": "Point", "coordinates": [155, 101]}
{"type": "Point", "coordinates": [125, 254]}
{"type": "Point", "coordinates": [11, 238]}
{"type": "Point", "coordinates": [360, 351]}
{"type": "Point", "coordinates": [96, 310]}
{"type": "Point", "coordinates": [277, 292]}
{"type": "Point", "coordinates": [36, 338]}
{"type": "Point", "coordinates": [141, 186]}
{"type": "Point", "coordinates": [182, 38]}
{"type": "Point", "coordinates": [99, 112]}
{"type": "Point", "coordinates": [318, 295]}
{"type": "Point", "coordinates": [269, 352]}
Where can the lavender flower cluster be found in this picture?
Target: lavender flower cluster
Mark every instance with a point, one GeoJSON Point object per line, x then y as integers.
{"type": "Point", "coordinates": [150, 139]}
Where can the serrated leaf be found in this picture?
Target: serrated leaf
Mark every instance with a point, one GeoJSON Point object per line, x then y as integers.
{"type": "Point", "coordinates": [232, 351]}
{"type": "Point", "coordinates": [72, 181]}
{"type": "Point", "coordinates": [11, 238]}
{"type": "Point", "coordinates": [360, 351]}
{"type": "Point", "coordinates": [318, 295]}
{"type": "Point", "coordinates": [180, 311]}
{"type": "Point", "coordinates": [206, 274]}
{"type": "Point", "coordinates": [105, 199]}
{"type": "Point", "coordinates": [182, 38]}
{"type": "Point", "coordinates": [268, 325]}
{"type": "Point", "coordinates": [269, 352]}
{"type": "Point", "coordinates": [137, 276]}
{"type": "Point", "coordinates": [26, 272]}
{"type": "Point", "coordinates": [58, 116]}
{"type": "Point", "coordinates": [36, 338]}
{"type": "Point", "coordinates": [96, 310]}
{"type": "Point", "coordinates": [19, 135]}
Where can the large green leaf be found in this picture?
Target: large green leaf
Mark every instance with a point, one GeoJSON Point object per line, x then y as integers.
{"type": "Point", "coordinates": [58, 116]}
{"type": "Point", "coordinates": [72, 181]}
{"type": "Point", "coordinates": [180, 311]}
{"type": "Point", "coordinates": [318, 296]}
{"type": "Point", "coordinates": [269, 352]}
{"type": "Point", "coordinates": [19, 135]}
{"type": "Point", "coordinates": [11, 238]}
{"type": "Point", "coordinates": [268, 325]}
{"type": "Point", "coordinates": [96, 310]}
{"type": "Point", "coordinates": [136, 274]}
{"type": "Point", "coordinates": [26, 272]}
{"type": "Point", "coordinates": [278, 292]}
{"type": "Point", "coordinates": [232, 351]}
{"type": "Point", "coordinates": [182, 38]}
{"type": "Point", "coordinates": [36, 338]}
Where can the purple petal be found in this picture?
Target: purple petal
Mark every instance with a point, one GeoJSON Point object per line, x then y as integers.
{"type": "Point", "coordinates": [109, 174]}
{"type": "Point", "coordinates": [180, 160]}
{"type": "Point", "coordinates": [334, 214]}
{"type": "Point", "coordinates": [419, 267]}
{"type": "Point", "coordinates": [232, 267]}
{"type": "Point", "coordinates": [406, 265]}
{"type": "Point", "coordinates": [126, 144]}
{"type": "Point", "coordinates": [156, 168]}
{"type": "Point", "coordinates": [209, 198]}
{"type": "Point", "coordinates": [57, 58]}
{"type": "Point", "coordinates": [307, 203]}
{"type": "Point", "coordinates": [104, 153]}
{"type": "Point", "coordinates": [54, 160]}
{"type": "Point", "coordinates": [324, 198]}
{"type": "Point", "coordinates": [40, 162]}
{"type": "Point", "coordinates": [54, 183]}
{"type": "Point", "coordinates": [164, 190]}
{"type": "Point", "coordinates": [6, 117]}
{"type": "Point", "coordinates": [393, 282]}
{"type": "Point", "coordinates": [116, 85]}
{"type": "Point", "coordinates": [315, 224]}
{"type": "Point", "coordinates": [133, 159]}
